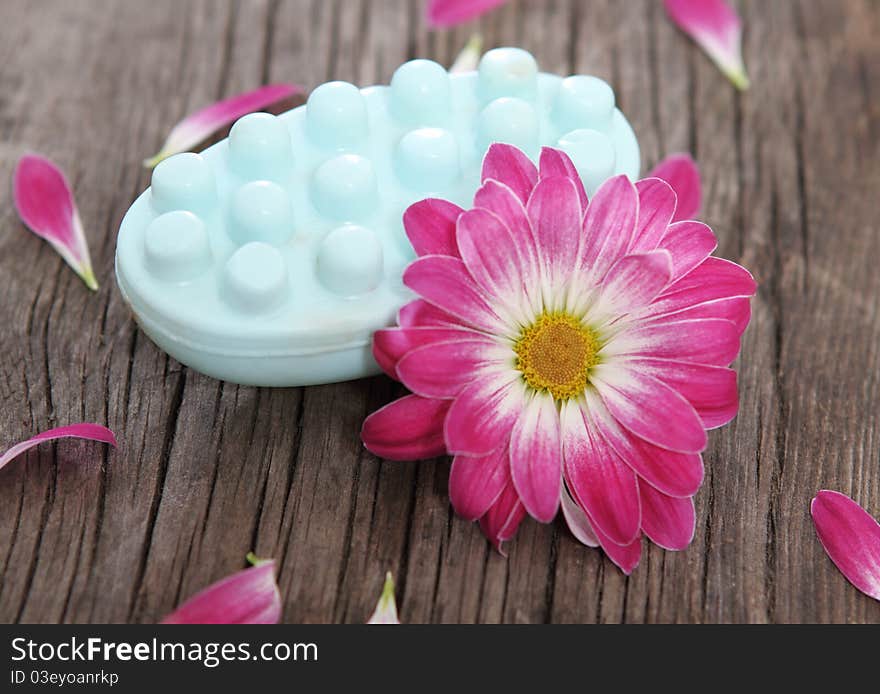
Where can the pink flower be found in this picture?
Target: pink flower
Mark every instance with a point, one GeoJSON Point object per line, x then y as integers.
{"type": "Point", "coordinates": [447, 13]}
{"type": "Point", "coordinates": [45, 204]}
{"type": "Point", "coordinates": [717, 28]}
{"type": "Point", "coordinates": [564, 347]}
{"type": "Point", "coordinates": [851, 538]}
{"type": "Point", "coordinates": [249, 596]}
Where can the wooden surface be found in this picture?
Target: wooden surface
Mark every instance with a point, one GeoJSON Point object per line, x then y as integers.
{"type": "Point", "coordinates": [208, 471]}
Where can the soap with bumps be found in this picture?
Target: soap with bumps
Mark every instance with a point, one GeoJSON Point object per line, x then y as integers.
{"type": "Point", "coordinates": [271, 257]}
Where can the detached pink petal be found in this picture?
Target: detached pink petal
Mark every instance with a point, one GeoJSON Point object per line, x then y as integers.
{"type": "Point", "coordinates": [45, 204]}
{"type": "Point", "coordinates": [90, 432]}
{"type": "Point", "coordinates": [203, 123]}
{"type": "Point", "coordinates": [681, 173]}
{"type": "Point", "coordinates": [386, 608]}
{"type": "Point", "coordinates": [447, 13]}
{"type": "Point", "coordinates": [717, 29]}
{"type": "Point", "coordinates": [247, 597]}
{"type": "Point", "coordinates": [469, 58]}
{"type": "Point", "coordinates": [851, 537]}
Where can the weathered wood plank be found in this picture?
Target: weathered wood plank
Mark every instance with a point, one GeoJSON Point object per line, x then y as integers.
{"type": "Point", "coordinates": [208, 471]}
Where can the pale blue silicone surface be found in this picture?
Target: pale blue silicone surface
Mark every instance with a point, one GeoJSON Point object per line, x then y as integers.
{"type": "Point", "coordinates": [271, 257]}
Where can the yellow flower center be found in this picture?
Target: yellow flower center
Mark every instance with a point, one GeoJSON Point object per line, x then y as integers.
{"type": "Point", "coordinates": [555, 355]}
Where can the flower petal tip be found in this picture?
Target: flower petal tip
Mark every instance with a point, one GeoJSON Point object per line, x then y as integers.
{"type": "Point", "coordinates": [44, 201]}
{"type": "Point", "coordinates": [386, 608]}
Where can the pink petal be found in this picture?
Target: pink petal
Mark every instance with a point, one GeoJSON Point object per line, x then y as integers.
{"type": "Point", "coordinates": [609, 225]}
{"type": "Point", "coordinates": [714, 279]}
{"type": "Point", "coordinates": [689, 243]}
{"type": "Point", "coordinates": [508, 165]}
{"type": "Point", "coordinates": [489, 250]}
{"type": "Point", "coordinates": [90, 432]}
{"type": "Point", "coordinates": [45, 204]}
{"type": "Point", "coordinates": [206, 121]}
{"type": "Point", "coordinates": [502, 520]}
{"type": "Point", "coordinates": [555, 213]}
{"type": "Point", "coordinates": [675, 474]}
{"type": "Point", "coordinates": [447, 13]}
{"type": "Point", "coordinates": [430, 227]}
{"type": "Point", "coordinates": [717, 278]}
{"type": "Point", "coordinates": [503, 202]}
{"type": "Point", "coordinates": [851, 538]}
{"type": "Point", "coordinates": [407, 429]}
{"type": "Point", "coordinates": [603, 484]}
{"type": "Point", "coordinates": [667, 521]}
{"type": "Point", "coordinates": [650, 409]}
{"type": "Point", "coordinates": [391, 344]}
{"type": "Point", "coordinates": [247, 597]}
{"type": "Point", "coordinates": [681, 173]}
{"type": "Point", "coordinates": [536, 458]}
{"type": "Point", "coordinates": [475, 484]}
{"type": "Point", "coordinates": [710, 389]}
{"type": "Point", "coordinates": [446, 283]}
{"type": "Point", "coordinates": [656, 209]}
{"type": "Point", "coordinates": [386, 608]}
{"type": "Point", "coordinates": [635, 280]}
{"type": "Point", "coordinates": [420, 314]}
{"type": "Point", "coordinates": [626, 557]}
{"type": "Point", "coordinates": [555, 162]}
{"type": "Point", "coordinates": [577, 520]}
{"type": "Point", "coordinates": [442, 369]}
{"type": "Point", "coordinates": [482, 416]}
{"type": "Point", "coordinates": [716, 27]}
{"type": "Point", "coordinates": [705, 341]}
{"type": "Point", "coordinates": [737, 310]}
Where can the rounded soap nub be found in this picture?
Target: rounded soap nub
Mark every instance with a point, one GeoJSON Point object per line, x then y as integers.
{"type": "Point", "coordinates": [255, 278]}
{"type": "Point", "coordinates": [592, 154]}
{"type": "Point", "coordinates": [584, 102]}
{"type": "Point", "coordinates": [345, 188]}
{"type": "Point", "coordinates": [420, 93]}
{"type": "Point", "coordinates": [508, 72]}
{"type": "Point", "coordinates": [350, 261]}
{"type": "Point", "coordinates": [183, 182]}
{"type": "Point", "coordinates": [336, 115]}
{"type": "Point", "coordinates": [427, 159]}
{"type": "Point", "coordinates": [259, 147]}
{"type": "Point", "coordinates": [260, 211]}
{"type": "Point", "coordinates": [509, 120]}
{"type": "Point", "coordinates": [176, 247]}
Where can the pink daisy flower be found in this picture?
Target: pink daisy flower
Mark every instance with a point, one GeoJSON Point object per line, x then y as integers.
{"type": "Point", "coordinates": [565, 351]}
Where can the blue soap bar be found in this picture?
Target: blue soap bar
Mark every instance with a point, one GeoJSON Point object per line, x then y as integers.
{"type": "Point", "coordinates": [271, 257]}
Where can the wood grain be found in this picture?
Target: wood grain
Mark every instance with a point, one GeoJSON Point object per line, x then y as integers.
{"type": "Point", "coordinates": [208, 471]}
